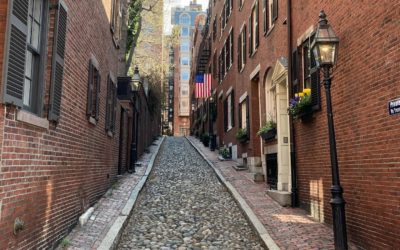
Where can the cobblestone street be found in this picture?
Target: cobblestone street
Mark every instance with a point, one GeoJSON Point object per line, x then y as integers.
{"type": "Point", "coordinates": [184, 206]}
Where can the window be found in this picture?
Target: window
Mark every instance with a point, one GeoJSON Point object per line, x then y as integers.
{"type": "Point", "coordinates": [253, 30]}
{"type": "Point", "coordinates": [93, 97]}
{"type": "Point", "coordinates": [214, 35]}
{"type": "Point", "coordinates": [25, 57]}
{"type": "Point", "coordinates": [214, 65]}
{"type": "Point", "coordinates": [185, 31]}
{"type": "Point", "coordinates": [111, 104]}
{"type": "Point", "coordinates": [116, 20]}
{"type": "Point", "coordinates": [184, 19]}
{"type": "Point", "coordinates": [241, 4]}
{"type": "Point", "coordinates": [228, 9]}
{"type": "Point", "coordinates": [244, 115]}
{"type": "Point", "coordinates": [242, 49]}
{"type": "Point", "coordinates": [304, 57]}
{"type": "Point", "coordinates": [185, 46]}
{"type": "Point", "coordinates": [185, 61]}
{"type": "Point", "coordinates": [185, 76]}
{"type": "Point", "coordinates": [270, 13]}
{"type": "Point", "coordinates": [230, 47]}
{"type": "Point", "coordinates": [229, 109]}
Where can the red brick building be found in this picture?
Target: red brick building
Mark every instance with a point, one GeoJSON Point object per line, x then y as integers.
{"type": "Point", "coordinates": [60, 119]}
{"type": "Point", "coordinates": [271, 62]}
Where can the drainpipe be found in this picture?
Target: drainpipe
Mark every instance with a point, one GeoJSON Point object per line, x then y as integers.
{"type": "Point", "coordinates": [295, 198]}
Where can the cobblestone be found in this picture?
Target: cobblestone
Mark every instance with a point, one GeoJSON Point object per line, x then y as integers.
{"type": "Point", "coordinates": [184, 206]}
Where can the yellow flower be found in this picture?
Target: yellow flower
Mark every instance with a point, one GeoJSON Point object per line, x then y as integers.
{"type": "Point", "coordinates": [296, 95]}
{"type": "Point", "coordinates": [301, 94]}
{"type": "Point", "coordinates": [307, 91]}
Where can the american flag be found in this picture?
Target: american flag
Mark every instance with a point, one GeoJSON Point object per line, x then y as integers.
{"type": "Point", "coordinates": [203, 85]}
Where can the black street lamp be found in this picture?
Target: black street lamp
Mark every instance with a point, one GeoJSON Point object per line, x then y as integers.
{"type": "Point", "coordinates": [325, 48]}
{"type": "Point", "coordinates": [135, 85]}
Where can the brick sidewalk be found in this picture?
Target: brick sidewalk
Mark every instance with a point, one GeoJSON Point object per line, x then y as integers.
{"type": "Point", "coordinates": [109, 207]}
{"type": "Point", "coordinates": [290, 228]}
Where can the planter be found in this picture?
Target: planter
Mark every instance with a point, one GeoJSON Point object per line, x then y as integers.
{"type": "Point", "coordinates": [242, 140]}
{"type": "Point", "coordinates": [306, 115]}
{"type": "Point", "coordinates": [269, 135]}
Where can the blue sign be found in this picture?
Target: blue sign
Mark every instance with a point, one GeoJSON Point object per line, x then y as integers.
{"type": "Point", "coordinates": [394, 106]}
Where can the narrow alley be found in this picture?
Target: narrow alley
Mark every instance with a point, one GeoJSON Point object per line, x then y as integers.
{"type": "Point", "coordinates": [184, 206]}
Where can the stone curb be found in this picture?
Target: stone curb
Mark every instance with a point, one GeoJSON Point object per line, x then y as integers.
{"type": "Point", "coordinates": [257, 225]}
{"type": "Point", "coordinates": [114, 233]}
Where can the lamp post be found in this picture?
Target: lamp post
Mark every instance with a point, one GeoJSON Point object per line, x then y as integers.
{"type": "Point", "coordinates": [211, 121]}
{"type": "Point", "coordinates": [325, 47]}
{"type": "Point", "coordinates": [135, 85]}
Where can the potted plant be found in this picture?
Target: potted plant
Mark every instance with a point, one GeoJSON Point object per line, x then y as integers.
{"type": "Point", "coordinates": [300, 106]}
{"type": "Point", "coordinates": [224, 152]}
{"type": "Point", "coordinates": [268, 131]}
{"type": "Point", "coordinates": [242, 135]}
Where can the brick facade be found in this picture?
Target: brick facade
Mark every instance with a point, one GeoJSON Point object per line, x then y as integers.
{"type": "Point", "coordinates": [50, 176]}
{"type": "Point", "coordinates": [364, 81]}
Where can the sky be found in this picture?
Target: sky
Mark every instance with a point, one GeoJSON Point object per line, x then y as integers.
{"type": "Point", "coordinates": [168, 4]}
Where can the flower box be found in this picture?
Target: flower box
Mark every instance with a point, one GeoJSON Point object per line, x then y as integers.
{"type": "Point", "coordinates": [269, 135]}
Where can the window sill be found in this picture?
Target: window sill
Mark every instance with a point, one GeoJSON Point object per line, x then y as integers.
{"type": "Point", "coordinates": [92, 120]}
{"type": "Point", "coordinates": [229, 129]}
{"type": "Point", "coordinates": [110, 134]}
{"type": "Point", "coordinates": [32, 119]}
{"type": "Point", "coordinates": [270, 29]}
{"type": "Point", "coordinates": [254, 52]}
{"type": "Point", "coordinates": [242, 69]}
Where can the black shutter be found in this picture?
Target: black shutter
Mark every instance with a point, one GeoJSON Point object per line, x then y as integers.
{"type": "Point", "coordinates": [90, 89]}
{"type": "Point", "coordinates": [108, 103]}
{"type": "Point", "coordinates": [245, 45]}
{"type": "Point", "coordinates": [274, 10]}
{"type": "Point", "coordinates": [239, 55]}
{"type": "Point", "coordinates": [57, 73]}
{"type": "Point", "coordinates": [257, 41]}
{"type": "Point", "coordinates": [248, 116]}
{"type": "Point", "coordinates": [250, 36]}
{"type": "Point", "coordinates": [295, 71]}
{"type": "Point", "coordinates": [15, 58]}
{"type": "Point", "coordinates": [233, 107]}
{"type": "Point", "coordinates": [98, 85]}
{"type": "Point", "coordinates": [240, 115]}
{"type": "Point", "coordinates": [226, 114]}
{"type": "Point", "coordinates": [114, 107]}
{"type": "Point", "coordinates": [265, 16]}
{"type": "Point", "coordinates": [315, 84]}
{"type": "Point", "coordinates": [232, 48]}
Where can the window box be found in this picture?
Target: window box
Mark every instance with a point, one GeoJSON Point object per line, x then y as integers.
{"type": "Point", "coordinates": [242, 136]}
{"type": "Point", "coordinates": [269, 135]}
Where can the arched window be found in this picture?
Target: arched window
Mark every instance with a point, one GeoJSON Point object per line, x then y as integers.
{"type": "Point", "coordinates": [184, 19]}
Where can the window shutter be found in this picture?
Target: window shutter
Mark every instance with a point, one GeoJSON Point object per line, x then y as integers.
{"type": "Point", "coordinates": [265, 16]}
{"type": "Point", "coordinates": [274, 10]}
{"type": "Point", "coordinates": [248, 116]}
{"type": "Point", "coordinates": [108, 104]}
{"type": "Point", "coordinates": [114, 107]}
{"type": "Point", "coordinates": [250, 36]}
{"type": "Point", "coordinates": [90, 89]}
{"type": "Point", "coordinates": [295, 71]}
{"type": "Point", "coordinates": [245, 45]}
{"type": "Point", "coordinates": [226, 114]}
{"type": "Point", "coordinates": [256, 28]}
{"type": "Point", "coordinates": [233, 107]}
{"type": "Point", "coordinates": [60, 33]}
{"type": "Point", "coordinates": [232, 46]}
{"type": "Point", "coordinates": [98, 85]}
{"type": "Point", "coordinates": [240, 115]}
{"type": "Point", "coordinates": [239, 55]}
{"type": "Point", "coordinates": [315, 85]}
{"type": "Point", "coordinates": [15, 60]}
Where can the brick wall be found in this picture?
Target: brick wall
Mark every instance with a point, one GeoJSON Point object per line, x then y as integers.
{"type": "Point", "coordinates": [50, 176]}
{"type": "Point", "coordinates": [365, 79]}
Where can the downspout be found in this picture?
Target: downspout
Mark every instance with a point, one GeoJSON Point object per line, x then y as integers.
{"type": "Point", "coordinates": [294, 191]}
